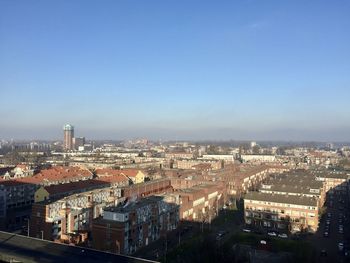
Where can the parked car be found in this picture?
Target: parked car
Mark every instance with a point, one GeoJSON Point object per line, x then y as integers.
{"type": "Point", "coordinates": [246, 230]}
{"type": "Point", "coordinates": [326, 234]}
{"type": "Point", "coordinates": [272, 234]}
{"type": "Point", "coordinates": [340, 246]}
{"type": "Point", "coordinates": [283, 235]}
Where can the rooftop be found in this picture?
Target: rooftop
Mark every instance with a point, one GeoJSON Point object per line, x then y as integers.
{"type": "Point", "coordinates": [76, 186]}
{"type": "Point", "coordinates": [54, 174]}
{"type": "Point", "coordinates": [25, 249]}
{"type": "Point", "coordinates": [132, 205]}
{"type": "Point", "coordinates": [282, 199]}
{"type": "Point", "coordinates": [110, 172]}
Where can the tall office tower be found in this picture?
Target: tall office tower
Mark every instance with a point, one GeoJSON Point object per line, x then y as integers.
{"type": "Point", "coordinates": [68, 134]}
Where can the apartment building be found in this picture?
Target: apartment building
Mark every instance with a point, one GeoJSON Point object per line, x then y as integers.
{"type": "Point", "coordinates": [247, 178]}
{"type": "Point", "coordinates": [159, 186]}
{"type": "Point", "coordinates": [298, 183]}
{"type": "Point", "coordinates": [20, 192]}
{"type": "Point", "coordinates": [289, 202]}
{"type": "Point", "coordinates": [69, 219]}
{"type": "Point", "coordinates": [197, 163]}
{"type": "Point", "coordinates": [125, 229]}
{"type": "Point", "coordinates": [178, 155]}
{"type": "Point", "coordinates": [229, 158]}
{"type": "Point", "coordinates": [62, 190]}
{"type": "Point", "coordinates": [322, 158]}
{"type": "Point", "coordinates": [201, 202]}
{"type": "Point", "coordinates": [258, 158]}
{"type": "Point", "coordinates": [281, 212]}
{"type": "Point", "coordinates": [81, 204]}
{"type": "Point", "coordinates": [332, 180]}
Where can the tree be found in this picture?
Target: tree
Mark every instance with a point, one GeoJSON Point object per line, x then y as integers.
{"type": "Point", "coordinates": [256, 149]}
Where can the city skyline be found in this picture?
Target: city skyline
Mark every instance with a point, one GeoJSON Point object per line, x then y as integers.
{"type": "Point", "coordinates": [184, 70]}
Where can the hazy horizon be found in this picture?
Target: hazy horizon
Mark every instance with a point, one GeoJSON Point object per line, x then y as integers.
{"type": "Point", "coordinates": [176, 70]}
{"type": "Point", "coordinates": [181, 135]}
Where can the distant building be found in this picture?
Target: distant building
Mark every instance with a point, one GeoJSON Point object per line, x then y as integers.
{"type": "Point", "coordinates": [224, 157]}
{"type": "Point", "coordinates": [78, 142]}
{"type": "Point", "coordinates": [258, 158]}
{"type": "Point", "coordinates": [68, 135]}
{"type": "Point", "coordinates": [134, 175]}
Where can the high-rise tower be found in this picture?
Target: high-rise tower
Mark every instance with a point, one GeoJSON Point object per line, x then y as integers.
{"type": "Point", "coordinates": [68, 134]}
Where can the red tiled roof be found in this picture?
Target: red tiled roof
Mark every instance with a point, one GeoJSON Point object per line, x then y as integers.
{"type": "Point", "coordinates": [54, 174]}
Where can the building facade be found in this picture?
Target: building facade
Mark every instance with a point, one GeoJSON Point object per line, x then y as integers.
{"type": "Point", "coordinates": [281, 212]}
{"type": "Point", "coordinates": [68, 135]}
{"type": "Point", "coordinates": [127, 228]}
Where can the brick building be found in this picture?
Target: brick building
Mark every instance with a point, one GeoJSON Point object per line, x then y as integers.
{"type": "Point", "coordinates": [201, 202]}
{"type": "Point", "coordinates": [281, 212]}
{"type": "Point", "coordinates": [134, 175]}
{"type": "Point", "coordinates": [333, 180]}
{"type": "Point", "coordinates": [127, 228]}
{"type": "Point", "coordinates": [69, 219]}
{"type": "Point", "coordinates": [19, 192]}
{"type": "Point", "coordinates": [286, 202]}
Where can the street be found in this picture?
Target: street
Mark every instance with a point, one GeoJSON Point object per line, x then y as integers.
{"type": "Point", "coordinates": [337, 214]}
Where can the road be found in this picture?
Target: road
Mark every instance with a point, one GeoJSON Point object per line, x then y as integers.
{"type": "Point", "coordinates": [330, 243]}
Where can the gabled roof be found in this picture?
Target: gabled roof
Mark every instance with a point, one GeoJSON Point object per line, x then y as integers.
{"type": "Point", "coordinates": [54, 174]}
{"type": "Point", "coordinates": [76, 186]}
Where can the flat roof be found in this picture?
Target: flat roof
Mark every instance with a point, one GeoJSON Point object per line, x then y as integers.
{"type": "Point", "coordinates": [27, 249]}
{"type": "Point", "coordinates": [132, 205]}
{"type": "Point", "coordinates": [283, 199]}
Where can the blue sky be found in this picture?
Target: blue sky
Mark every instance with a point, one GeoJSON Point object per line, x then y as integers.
{"type": "Point", "coordinates": [180, 69]}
